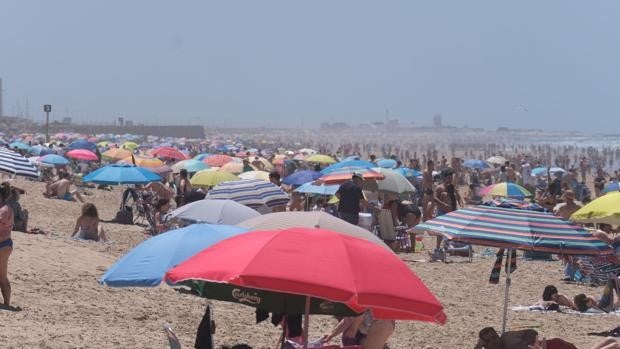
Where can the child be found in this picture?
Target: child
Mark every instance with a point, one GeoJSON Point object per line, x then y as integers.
{"type": "Point", "coordinates": [88, 224]}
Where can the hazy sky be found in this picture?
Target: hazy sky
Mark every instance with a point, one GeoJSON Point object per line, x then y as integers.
{"type": "Point", "coordinates": [548, 64]}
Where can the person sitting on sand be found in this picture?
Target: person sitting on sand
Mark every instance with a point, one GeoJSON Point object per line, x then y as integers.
{"type": "Point", "coordinates": [87, 224]}
{"type": "Point", "coordinates": [364, 329]}
{"type": "Point", "coordinates": [61, 189]}
{"type": "Point", "coordinates": [552, 296]}
{"type": "Point", "coordinates": [161, 209]}
{"type": "Point", "coordinates": [606, 303]}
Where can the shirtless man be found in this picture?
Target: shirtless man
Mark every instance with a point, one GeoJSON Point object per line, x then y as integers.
{"type": "Point", "coordinates": [447, 198]}
{"type": "Point", "coordinates": [61, 189]}
{"type": "Point", "coordinates": [428, 205]}
{"type": "Point", "coordinates": [566, 209]}
{"type": "Point", "coordinates": [160, 189]}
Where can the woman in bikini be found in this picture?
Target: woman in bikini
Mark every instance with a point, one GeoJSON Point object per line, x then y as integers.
{"type": "Point", "coordinates": [87, 224]}
{"type": "Point", "coordinates": [6, 244]}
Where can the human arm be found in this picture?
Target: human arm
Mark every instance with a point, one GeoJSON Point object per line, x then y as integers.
{"type": "Point", "coordinates": [351, 331]}
{"type": "Point", "coordinates": [340, 328]}
{"type": "Point", "coordinates": [78, 223]}
{"type": "Point", "coordinates": [563, 300]}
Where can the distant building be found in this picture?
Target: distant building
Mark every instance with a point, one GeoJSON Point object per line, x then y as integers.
{"type": "Point", "coordinates": [67, 121]}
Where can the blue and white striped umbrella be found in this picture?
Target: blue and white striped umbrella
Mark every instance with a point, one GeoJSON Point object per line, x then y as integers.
{"type": "Point", "coordinates": [14, 164]}
{"type": "Point", "coordinates": [253, 193]}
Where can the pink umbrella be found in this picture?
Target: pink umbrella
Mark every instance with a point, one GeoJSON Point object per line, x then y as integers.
{"type": "Point", "coordinates": [82, 154]}
{"type": "Point", "coordinates": [169, 153]}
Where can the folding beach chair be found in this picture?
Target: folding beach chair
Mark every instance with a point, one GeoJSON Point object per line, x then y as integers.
{"type": "Point", "coordinates": [596, 270]}
{"type": "Point", "coordinates": [457, 249]}
{"type": "Point", "coordinates": [172, 338]}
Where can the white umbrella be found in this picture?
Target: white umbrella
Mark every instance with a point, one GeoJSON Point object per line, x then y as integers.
{"type": "Point", "coordinates": [14, 164]}
{"type": "Point", "coordinates": [394, 182]}
{"type": "Point", "coordinates": [497, 160]}
{"type": "Point", "coordinates": [214, 212]}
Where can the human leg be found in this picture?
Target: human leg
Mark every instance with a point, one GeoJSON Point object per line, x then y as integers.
{"type": "Point", "coordinates": [5, 285]}
{"type": "Point", "coordinates": [101, 234]}
{"type": "Point", "coordinates": [607, 343]}
{"type": "Point", "coordinates": [378, 334]}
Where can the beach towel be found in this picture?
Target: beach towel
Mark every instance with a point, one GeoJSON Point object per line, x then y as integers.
{"type": "Point", "coordinates": [497, 267]}
{"type": "Point", "coordinates": [563, 310]}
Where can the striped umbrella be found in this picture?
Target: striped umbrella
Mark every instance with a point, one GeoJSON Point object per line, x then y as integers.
{"type": "Point", "coordinates": [14, 164]}
{"type": "Point", "coordinates": [344, 174]}
{"type": "Point", "coordinates": [250, 192]}
{"type": "Point", "coordinates": [515, 229]}
{"type": "Point", "coordinates": [505, 189]}
{"type": "Point", "coordinates": [347, 164]}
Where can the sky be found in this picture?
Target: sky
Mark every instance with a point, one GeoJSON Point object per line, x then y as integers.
{"type": "Point", "coordinates": [551, 64]}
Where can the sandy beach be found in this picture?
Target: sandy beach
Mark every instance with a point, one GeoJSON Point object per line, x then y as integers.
{"type": "Point", "coordinates": [55, 282]}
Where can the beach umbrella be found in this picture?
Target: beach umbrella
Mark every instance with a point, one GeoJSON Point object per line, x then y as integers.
{"type": "Point", "coordinates": [14, 164]}
{"type": "Point", "coordinates": [261, 175]}
{"type": "Point", "coordinates": [168, 153]}
{"type": "Point", "coordinates": [497, 160]}
{"type": "Point", "coordinates": [477, 164]}
{"type": "Point", "coordinates": [344, 174]}
{"type": "Point", "coordinates": [82, 154]}
{"type": "Point", "coordinates": [310, 188]}
{"type": "Point", "coordinates": [505, 189]}
{"type": "Point", "coordinates": [267, 166]}
{"type": "Point", "coordinates": [408, 172]}
{"type": "Point", "coordinates": [189, 165]}
{"type": "Point", "coordinates": [53, 159]}
{"type": "Point", "coordinates": [201, 157]}
{"type": "Point", "coordinates": [130, 145]}
{"type": "Point", "coordinates": [542, 171]}
{"type": "Point", "coordinates": [161, 170]}
{"type": "Point", "coordinates": [611, 187]}
{"type": "Point", "coordinates": [301, 177]}
{"type": "Point", "coordinates": [313, 219]}
{"type": "Point", "coordinates": [515, 229]}
{"type": "Point", "coordinates": [393, 182]}
{"type": "Point", "coordinates": [143, 161]}
{"type": "Point", "coordinates": [351, 158]}
{"type": "Point", "coordinates": [82, 144]}
{"type": "Point", "coordinates": [217, 160]}
{"type": "Point", "coordinates": [234, 167]}
{"type": "Point", "coordinates": [116, 154]}
{"type": "Point", "coordinates": [214, 212]}
{"type": "Point", "coordinates": [19, 145]}
{"type": "Point", "coordinates": [211, 177]}
{"type": "Point", "coordinates": [103, 144]}
{"type": "Point", "coordinates": [118, 174]}
{"type": "Point", "coordinates": [605, 209]}
{"type": "Point", "coordinates": [307, 151]}
{"type": "Point", "coordinates": [315, 263]}
{"type": "Point", "coordinates": [386, 163]}
{"type": "Point", "coordinates": [146, 264]}
{"type": "Point", "coordinates": [321, 159]}
{"type": "Point", "coordinates": [360, 164]}
{"type": "Point", "coordinates": [250, 192]}
{"type": "Point", "coordinates": [40, 150]}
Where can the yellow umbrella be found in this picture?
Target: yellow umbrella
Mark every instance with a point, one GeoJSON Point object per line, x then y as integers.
{"type": "Point", "coordinates": [262, 175]}
{"type": "Point", "coordinates": [234, 167]}
{"type": "Point", "coordinates": [321, 159]}
{"type": "Point", "coordinates": [605, 209]}
{"type": "Point", "coordinates": [116, 154]}
{"type": "Point", "coordinates": [144, 161]}
{"type": "Point", "coordinates": [210, 178]}
{"type": "Point", "coordinates": [130, 145]}
{"type": "Point", "coordinates": [267, 166]}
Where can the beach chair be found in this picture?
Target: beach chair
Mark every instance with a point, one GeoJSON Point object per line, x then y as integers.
{"type": "Point", "coordinates": [596, 270]}
{"type": "Point", "coordinates": [172, 338]}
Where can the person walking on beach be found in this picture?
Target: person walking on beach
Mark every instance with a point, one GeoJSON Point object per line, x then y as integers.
{"type": "Point", "coordinates": [428, 205]}
{"type": "Point", "coordinates": [6, 244]}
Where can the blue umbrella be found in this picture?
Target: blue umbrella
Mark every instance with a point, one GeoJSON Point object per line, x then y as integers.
{"type": "Point", "coordinates": [19, 145]}
{"type": "Point", "coordinates": [201, 157]}
{"type": "Point", "coordinates": [40, 150]}
{"type": "Point", "coordinates": [302, 177]}
{"type": "Point", "coordinates": [351, 158]}
{"type": "Point", "coordinates": [53, 159]}
{"type": "Point", "coordinates": [540, 171]}
{"type": "Point", "coordinates": [322, 189]}
{"type": "Point", "coordinates": [476, 163]}
{"type": "Point", "coordinates": [386, 163]}
{"type": "Point", "coordinates": [83, 144]}
{"type": "Point", "coordinates": [121, 174]}
{"type": "Point", "coordinates": [408, 172]}
{"type": "Point", "coordinates": [353, 163]}
{"type": "Point", "coordinates": [146, 264]}
{"type": "Point", "coordinates": [613, 186]}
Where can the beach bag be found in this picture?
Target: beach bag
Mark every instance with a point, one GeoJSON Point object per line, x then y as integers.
{"type": "Point", "coordinates": [124, 215]}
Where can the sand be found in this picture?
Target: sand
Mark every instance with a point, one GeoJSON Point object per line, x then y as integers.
{"type": "Point", "coordinates": [55, 282]}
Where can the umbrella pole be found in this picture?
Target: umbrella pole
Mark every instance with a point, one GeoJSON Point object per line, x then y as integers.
{"type": "Point", "coordinates": [507, 290]}
{"type": "Point", "coordinates": [306, 322]}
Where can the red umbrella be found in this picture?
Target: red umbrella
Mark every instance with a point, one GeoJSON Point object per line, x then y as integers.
{"type": "Point", "coordinates": [320, 264]}
{"type": "Point", "coordinates": [82, 154]}
{"type": "Point", "coordinates": [217, 160]}
{"type": "Point", "coordinates": [169, 153]}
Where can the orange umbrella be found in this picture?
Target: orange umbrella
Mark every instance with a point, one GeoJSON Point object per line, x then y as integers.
{"type": "Point", "coordinates": [116, 154]}
{"type": "Point", "coordinates": [217, 160]}
{"type": "Point", "coordinates": [144, 161]}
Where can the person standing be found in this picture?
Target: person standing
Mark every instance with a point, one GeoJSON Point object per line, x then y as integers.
{"type": "Point", "coordinates": [184, 187]}
{"type": "Point", "coordinates": [351, 198]}
{"type": "Point", "coordinates": [6, 244]}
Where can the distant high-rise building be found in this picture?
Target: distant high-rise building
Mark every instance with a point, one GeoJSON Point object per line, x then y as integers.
{"type": "Point", "coordinates": [437, 120]}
